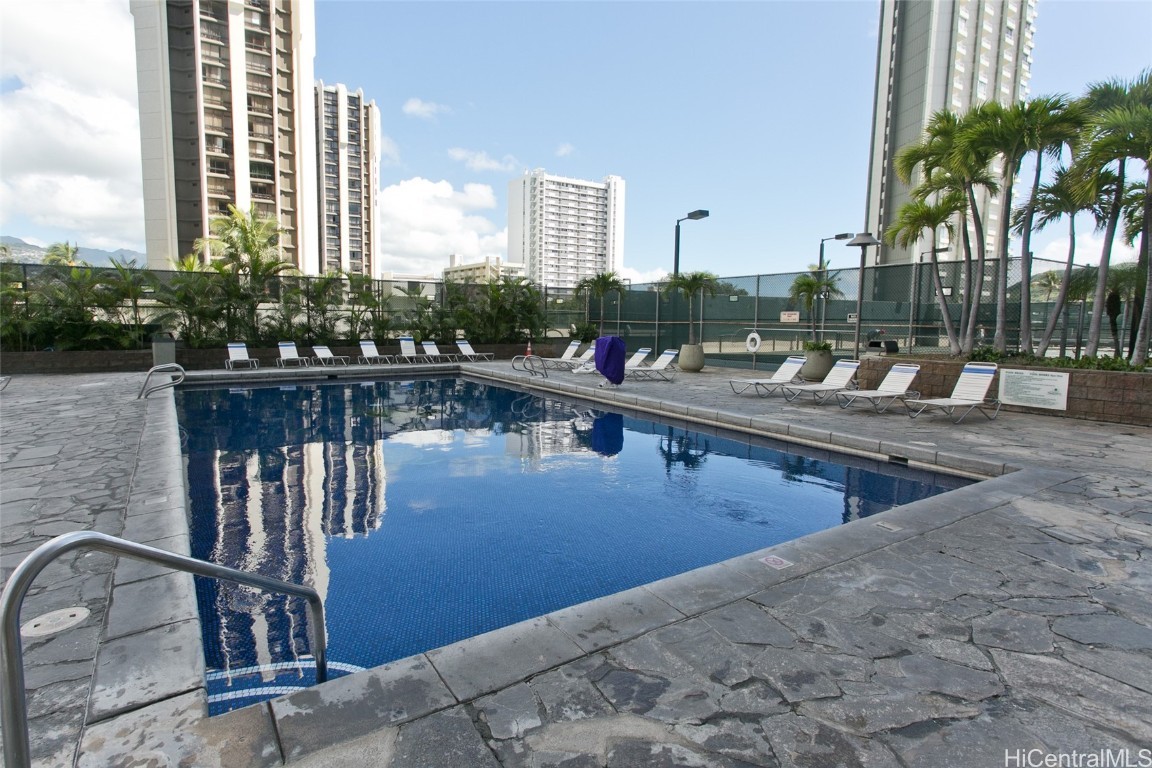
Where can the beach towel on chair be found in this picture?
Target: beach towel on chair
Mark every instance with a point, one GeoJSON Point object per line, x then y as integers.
{"type": "Point", "coordinates": [610, 358]}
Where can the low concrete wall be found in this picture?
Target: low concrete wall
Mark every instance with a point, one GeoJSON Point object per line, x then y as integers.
{"type": "Point", "coordinates": [1113, 396]}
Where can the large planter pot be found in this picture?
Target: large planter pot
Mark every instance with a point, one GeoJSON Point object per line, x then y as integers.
{"type": "Point", "coordinates": [691, 358]}
{"type": "Point", "coordinates": [817, 364]}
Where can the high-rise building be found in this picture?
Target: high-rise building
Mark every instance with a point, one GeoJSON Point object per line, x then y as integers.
{"type": "Point", "coordinates": [943, 54]}
{"type": "Point", "coordinates": [563, 230]}
{"type": "Point", "coordinates": [226, 93]}
{"type": "Point", "coordinates": [348, 129]}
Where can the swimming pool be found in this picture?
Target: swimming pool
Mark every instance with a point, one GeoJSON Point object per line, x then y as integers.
{"type": "Point", "coordinates": [425, 512]}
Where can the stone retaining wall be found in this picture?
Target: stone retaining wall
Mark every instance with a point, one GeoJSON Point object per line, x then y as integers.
{"type": "Point", "coordinates": [1114, 396]}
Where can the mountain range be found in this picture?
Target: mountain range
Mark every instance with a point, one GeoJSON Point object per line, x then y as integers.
{"type": "Point", "coordinates": [26, 253]}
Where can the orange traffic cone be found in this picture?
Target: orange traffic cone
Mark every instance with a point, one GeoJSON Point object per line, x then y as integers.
{"type": "Point", "coordinates": [529, 352]}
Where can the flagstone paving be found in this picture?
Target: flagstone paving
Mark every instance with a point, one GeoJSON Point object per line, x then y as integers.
{"type": "Point", "coordinates": [1011, 615]}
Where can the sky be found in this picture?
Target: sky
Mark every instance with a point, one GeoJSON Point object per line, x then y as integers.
{"type": "Point", "coordinates": [759, 111]}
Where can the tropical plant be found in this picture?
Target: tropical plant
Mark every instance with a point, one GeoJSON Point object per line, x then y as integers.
{"type": "Point", "coordinates": [598, 286]}
{"type": "Point", "coordinates": [193, 304]}
{"type": "Point", "coordinates": [812, 285]}
{"type": "Point", "coordinates": [321, 297]}
{"type": "Point", "coordinates": [129, 286]}
{"type": "Point", "coordinates": [911, 220]}
{"type": "Point", "coordinates": [62, 255]}
{"type": "Point", "coordinates": [689, 284]}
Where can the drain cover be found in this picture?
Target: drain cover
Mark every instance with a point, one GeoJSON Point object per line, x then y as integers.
{"type": "Point", "coordinates": [54, 621]}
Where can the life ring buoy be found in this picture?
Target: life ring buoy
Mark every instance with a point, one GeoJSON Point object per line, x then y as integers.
{"type": "Point", "coordinates": [752, 343]}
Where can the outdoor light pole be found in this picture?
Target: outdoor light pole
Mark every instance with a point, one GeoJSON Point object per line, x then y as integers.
{"type": "Point", "coordinates": [694, 216]}
{"type": "Point", "coordinates": [820, 276]}
{"type": "Point", "coordinates": [861, 241]}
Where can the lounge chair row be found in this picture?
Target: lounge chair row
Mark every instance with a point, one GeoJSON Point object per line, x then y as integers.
{"type": "Point", "coordinates": [661, 369]}
{"type": "Point", "coordinates": [369, 355]}
{"type": "Point", "coordinates": [969, 394]}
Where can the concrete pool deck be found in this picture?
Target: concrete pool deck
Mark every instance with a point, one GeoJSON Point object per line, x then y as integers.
{"type": "Point", "coordinates": [967, 629]}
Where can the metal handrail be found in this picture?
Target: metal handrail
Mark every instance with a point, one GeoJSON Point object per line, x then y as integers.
{"type": "Point", "coordinates": [13, 705]}
{"type": "Point", "coordinates": [532, 364]}
{"type": "Point", "coordinates": [162, 368]}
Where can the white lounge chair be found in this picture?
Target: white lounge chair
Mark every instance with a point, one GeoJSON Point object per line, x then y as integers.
{"type": "Point", "coordinates": [565, 358]}
{"type": "Point", "coordinates": [838, 379]}
{"type": "Point", "coordinates": [637, 359]}
{"type": "Point", "coordinates": [471, 355]}
{"type": "Point", "coordinates": [785, 374]}
{"type": "Point", "coordinates": [324, 356]}
{"type": "Point", "coordinates": [369, 355]}
{"type": "Point", "coordinates": [896, 385]}
{"type": "Point", "coordinates": [408, 353]}
{"type": "Point", "coordinates": [288, 354]}
{"type": "Point", "coordinates": [662, 368]}
{"type": "Point", "coordinates": [583, 363]}
{"type": "Point", "coordinates": [238, 355]}
{"type": "Point", "coordinates": [434, 355]}
{"type": "Point", "coordinates": [970, 393]}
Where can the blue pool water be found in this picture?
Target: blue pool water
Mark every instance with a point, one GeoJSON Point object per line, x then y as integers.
{"type": "Point", "coordinates": [430, 511]}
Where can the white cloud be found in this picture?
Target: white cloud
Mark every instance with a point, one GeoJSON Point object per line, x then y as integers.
{"type": "Point", "coordinates": [422, 222]}
{"type": "Point", "coordinates": [426, 110]}
{"type": "Point", "coordinates": [637, 277]}
{"type": "Point", "coordinates": [389, 152]}
{"type": "Point", "coordinates": [480, 161]}
{"type": "Point", "coordinates": [564, 150]}
{"type": "Point", "coordinates": [1088, 248]}
{"type": "Point", "coordinates": [69, 131]}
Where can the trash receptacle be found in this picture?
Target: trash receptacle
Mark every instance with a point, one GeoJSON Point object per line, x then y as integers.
{"type": "Point", "coordinates": [163, 349]}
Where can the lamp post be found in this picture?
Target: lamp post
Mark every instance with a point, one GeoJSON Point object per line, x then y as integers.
{"type": "Point", "coordinates": [861, 241]}
{"type": "Point", "coordinates": [820, 276]}
{"type": "Point", "coordinates": [694, 216]}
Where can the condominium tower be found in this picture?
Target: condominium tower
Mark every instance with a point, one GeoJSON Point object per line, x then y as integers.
{"type": "Point", "coordinates": [348, 129]}
{"type": "Point", "coordinates": [944, 54]}
{"type": "Point", "coordinates": [563, 230]}
{"type": "Point", "coordinates": [226, 94]}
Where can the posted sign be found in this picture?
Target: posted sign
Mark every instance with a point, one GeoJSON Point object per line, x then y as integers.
{"type": "Point", "coordinates": [789, 317]}
{"type": "Point", "coordinates": [1035, 389]}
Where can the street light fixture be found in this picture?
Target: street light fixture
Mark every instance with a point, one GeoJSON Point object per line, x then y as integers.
{"type": "Point", "coordinates": [694, 216]}
{"type": "Point", "coordinates": [861, 241]}
{"type": "Point", "coordinates": [820, 275]}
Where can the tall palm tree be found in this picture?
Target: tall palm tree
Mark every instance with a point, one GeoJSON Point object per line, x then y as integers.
{"type": "Point", "coordinates": [1051, 122]}
{"type": "Point", "coordinates": [911, 220]}
{"type": "Point", "coordinates": [598, 286]}
{"type": "Point", "coordinates": [948, 165]}
{"type": "Point", "coordinates": [1053, 201]}
{"type": "Point", "coordinates": [1119, 129]}
{"type": "Point", "coordinates": [690, 284]}
{"type": "Point", "coordinates": [810, 286]}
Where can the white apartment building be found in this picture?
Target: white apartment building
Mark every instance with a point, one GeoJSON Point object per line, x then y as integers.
{"type": "Point", "coordinates": [563, 230]}
{"type": "Point", "coordinates": [490, 270]}
{"type": "Point", "coordinates": [226, 93]}
{"type": "Point", "coordinates": [348, 131]}
{"type": "Point", "coordinates": [943, 54]}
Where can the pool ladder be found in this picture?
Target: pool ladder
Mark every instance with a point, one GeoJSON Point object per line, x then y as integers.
{"type": "Point", "coordinates": [146, 390]}
{"type": "Point", "coordinates": [14, 706]}
{"type": "Point", "coordinates": [533, 364]}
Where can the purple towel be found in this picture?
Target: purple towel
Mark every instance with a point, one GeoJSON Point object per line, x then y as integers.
{"type": "Point", "coordinates": [610, 358]}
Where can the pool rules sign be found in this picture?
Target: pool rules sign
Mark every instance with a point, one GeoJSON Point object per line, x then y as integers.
{"type": "Point", "coordinates": [1034, 389]}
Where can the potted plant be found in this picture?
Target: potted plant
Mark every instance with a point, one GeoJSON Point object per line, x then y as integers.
{"type": "Point", "coordinates": [690, 284]}
{"type": "Point", "coordinates": [817, 360]}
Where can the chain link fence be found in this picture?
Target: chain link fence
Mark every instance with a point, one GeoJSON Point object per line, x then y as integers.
{"type": "Point", "coordinates": [898, 311]}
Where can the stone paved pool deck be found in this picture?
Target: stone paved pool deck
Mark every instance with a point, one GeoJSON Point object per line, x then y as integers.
{"type": "Point", "coordinates": [967, 629]}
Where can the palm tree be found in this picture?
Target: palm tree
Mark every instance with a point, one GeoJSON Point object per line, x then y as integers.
{"type": "Point", "coordinates": [62, 254]}
{"type": "Point", "coordinates": [598, 286]}
{"type": "Point", "coordinates": [1120, 128]}
{"type": "Point", "coordinates": [690, 284]}
{"type": "Point", "coordinates": [811, 285]}
{"type": "Point", "coordinates": [911, 220]}
{"type": "Point", "coordinates": [129, 283]}
{"type": "Point", "coordinates": [948, 165]}
{"type": "Point", "coordinates": [1053, 201]}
